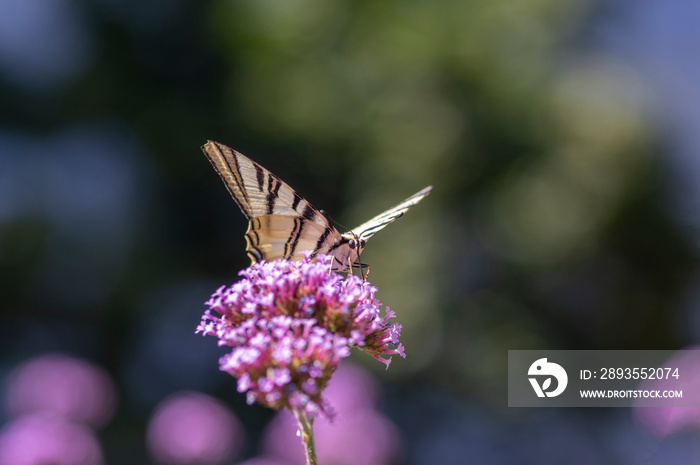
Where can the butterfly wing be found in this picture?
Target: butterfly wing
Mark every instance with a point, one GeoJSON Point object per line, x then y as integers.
{"type": "Point", "coordinates": [271, 237]}
{"type": "Point", "coordinates": [256, 190]}
{"type": "Point", "coordinates": [282, 224]}
{"type": "Point", "coordinates": [371, 227]}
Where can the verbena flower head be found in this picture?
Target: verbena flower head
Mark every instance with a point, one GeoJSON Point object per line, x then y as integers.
{"type": "Point", "coordinates": [290, 323]}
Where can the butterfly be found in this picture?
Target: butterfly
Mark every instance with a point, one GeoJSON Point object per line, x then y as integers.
{"type": "Point", "coordinates": [282, 224]}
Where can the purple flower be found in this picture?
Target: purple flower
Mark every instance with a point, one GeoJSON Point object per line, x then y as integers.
{"type": "Point", "coordinates": [64, 386]}
{"type": "Point", "coordinates": [290, 323]}
{"type": "Point", "coordinates": [190, 427]}
{"type": "Point", "coordinates": [359, 435]}
{"type": "Point", "coordinates": [42, 438]}
{"type": "Point", "coordinates": [670, 418]}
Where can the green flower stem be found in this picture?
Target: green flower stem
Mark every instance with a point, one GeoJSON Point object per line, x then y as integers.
{"type": "Point", "coordinates": [306, 427]}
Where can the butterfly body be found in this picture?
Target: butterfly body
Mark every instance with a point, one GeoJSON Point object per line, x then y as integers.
{"type": "Point", "coordinates": [282, 224]}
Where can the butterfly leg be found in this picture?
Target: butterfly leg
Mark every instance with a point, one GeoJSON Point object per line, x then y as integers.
{"type": "Point", "coordinates": [361, 266]}
{"type": "Point", "coordinates": [364, 275]}
{"type": "Point", "coordinates": [330, 268]}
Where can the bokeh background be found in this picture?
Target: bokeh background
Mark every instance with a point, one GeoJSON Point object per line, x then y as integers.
{"type": "Point", "coordinates": [563, 141]}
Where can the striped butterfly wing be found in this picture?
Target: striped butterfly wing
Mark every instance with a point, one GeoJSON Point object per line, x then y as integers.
{"type": "Point", "coordinates": [270, 237]}
{"type": "Point", "coordinates": [282, 224]}
{"type": "Point", "coordinates": [371, 227]}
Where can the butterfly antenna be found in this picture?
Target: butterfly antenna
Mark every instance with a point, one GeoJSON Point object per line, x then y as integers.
{"type": "Point", "coordinates": [359, 260]}
{"type": "Point", "coordinates": [333, 221]}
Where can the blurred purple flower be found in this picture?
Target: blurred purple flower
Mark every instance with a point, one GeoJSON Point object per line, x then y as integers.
{"type": "Point", "coordinates": [42, 439]}
{"type": "Point", "coordinates": [68, 387]}
{"type": "Point", "coordinates": [192, 428]}
{"type": "Point", "coordinates": [263, 461]}
{"type": "Point", "coordinates": [352, 388]}
{"type": "Point", "coordinates": [290, 324]}
{"type": "Point", "coordinates": [358, 435]}
{"type": "Point", "coordinates": [664, 421]}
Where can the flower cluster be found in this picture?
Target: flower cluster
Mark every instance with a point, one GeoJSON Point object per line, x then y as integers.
{"type": "Point", "coordinates": [289, 324]}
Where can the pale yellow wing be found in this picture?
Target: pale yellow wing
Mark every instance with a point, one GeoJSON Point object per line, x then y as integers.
{"type": "Point", "coordinates": [271, 237]}
{"type": "Point", "coordinates": [371, 227]}
{"type": "Point", "coordinates": [282, 224]}
{"type": "Point", "coordinates": [256, 190]}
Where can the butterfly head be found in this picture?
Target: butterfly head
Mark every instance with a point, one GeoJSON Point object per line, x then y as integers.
{"type": "Point", "coordinates": [356, 244]}
{"type": "Point", "coordinates": [347, 249]}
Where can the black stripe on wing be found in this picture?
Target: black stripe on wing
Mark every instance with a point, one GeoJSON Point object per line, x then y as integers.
{"type": "Point", "coordinates": [273, 188]}
{"type": "Point", "coordinates": [322, 239]}
{"type": "Point", "coordinates": [252, 240]}
{"type": "Point", "coordinates": [291, 246]}
{"type": "Point", "coordinates": [225, 162]}
{"type": "Point", "coordinates": [256, 190]}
